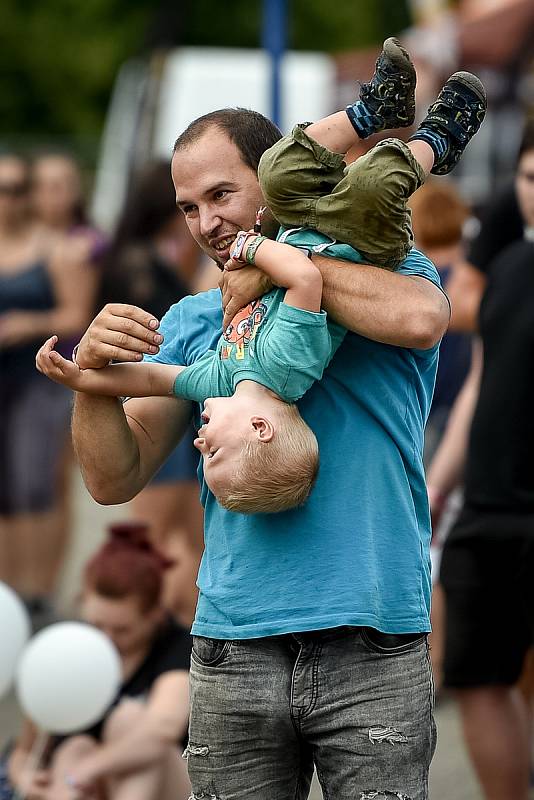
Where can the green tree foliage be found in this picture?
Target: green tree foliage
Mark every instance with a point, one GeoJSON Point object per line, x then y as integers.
{"type": "Point", "coordinates": [312, 24]}
{"type": "Point", "coordinates": [58, 58]}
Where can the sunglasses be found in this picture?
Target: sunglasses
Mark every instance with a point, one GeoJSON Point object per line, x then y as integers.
{"type": "Point", "coordinates": [14, 189]}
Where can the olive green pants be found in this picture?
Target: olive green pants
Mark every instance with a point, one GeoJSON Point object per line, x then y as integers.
{"type": "Point", "coordinates": [363, 204]}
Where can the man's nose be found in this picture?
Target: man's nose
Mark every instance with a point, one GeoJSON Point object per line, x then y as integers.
{"type": "Point", "coordinates": [209, 221]}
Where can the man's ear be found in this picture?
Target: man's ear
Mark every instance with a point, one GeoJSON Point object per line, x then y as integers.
{"type": "Point", "coordinates": [263, 428]}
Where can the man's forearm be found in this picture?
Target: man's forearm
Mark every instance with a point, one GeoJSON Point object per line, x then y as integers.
{"type": "Point", "coordinates": [384, 306]}
{"type": "Point", "coordinates": [119, 447]}
{"type": "Point", "coordinates": [106, 448]}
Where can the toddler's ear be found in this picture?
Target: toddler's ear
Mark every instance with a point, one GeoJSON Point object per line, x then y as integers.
{"type": "Point", "coordinates": [263, 428]}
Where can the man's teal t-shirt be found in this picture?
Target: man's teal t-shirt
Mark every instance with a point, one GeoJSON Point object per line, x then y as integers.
{"type": "Point", "coordinates": [357, 553]}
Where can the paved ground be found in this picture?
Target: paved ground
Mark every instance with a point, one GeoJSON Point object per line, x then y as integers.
{"type": "Point", "coordinates": [451, 775]}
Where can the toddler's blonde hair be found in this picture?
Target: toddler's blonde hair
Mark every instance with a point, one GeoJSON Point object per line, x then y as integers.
{"type": "Point", "coordinates": [276, 475]}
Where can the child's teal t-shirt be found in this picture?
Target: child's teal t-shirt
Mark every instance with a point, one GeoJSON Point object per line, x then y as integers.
{"type": "Point", "coordinates": [283, 348]}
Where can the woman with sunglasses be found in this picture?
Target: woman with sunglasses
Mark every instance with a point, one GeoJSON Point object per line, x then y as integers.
{"type": "Point", "coordinates": [44, 286]}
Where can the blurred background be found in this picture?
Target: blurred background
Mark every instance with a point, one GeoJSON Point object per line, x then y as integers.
{"type": "Point", "coordinates": [92, 97]}
{"type": "Point", "coordinates": [113, 81]}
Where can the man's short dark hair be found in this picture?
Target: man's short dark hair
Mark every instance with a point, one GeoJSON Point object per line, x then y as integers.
{"type": "Point", "coordinates": [250, 131]}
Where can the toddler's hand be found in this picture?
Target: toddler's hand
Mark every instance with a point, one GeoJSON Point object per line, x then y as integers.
{"type": "Point", "coordinates": [54, 366]}
{"type": "Point", "coordinates": [238, 250]}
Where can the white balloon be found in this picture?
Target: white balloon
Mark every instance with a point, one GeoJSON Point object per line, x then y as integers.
{"type": "Point", "coordinates": [15, 629]}
{"type": "Point", "coordinates": [68, 676]}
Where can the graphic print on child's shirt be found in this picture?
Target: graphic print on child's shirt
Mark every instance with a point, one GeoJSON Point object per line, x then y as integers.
{"type": "Point", "coordinates": [242, 330]}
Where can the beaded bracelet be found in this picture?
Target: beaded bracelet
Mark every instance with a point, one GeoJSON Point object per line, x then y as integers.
{"type": "Point", "coordinates": [236, 253]}
{"type": "Point", "coordinates": [251, 249]}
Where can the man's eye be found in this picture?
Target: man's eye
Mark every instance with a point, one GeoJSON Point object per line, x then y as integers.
{"type": "Point", "coordinates": [221, 194]}
{"type": "Point", "coordinates": [188, 210]}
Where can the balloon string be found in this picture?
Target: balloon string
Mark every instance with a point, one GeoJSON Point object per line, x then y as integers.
{"type": "Point", "coordinates": [33, 762]}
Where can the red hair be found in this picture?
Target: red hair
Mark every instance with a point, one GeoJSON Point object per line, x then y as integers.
{"type": "Point", "coordinates": [127, 565]}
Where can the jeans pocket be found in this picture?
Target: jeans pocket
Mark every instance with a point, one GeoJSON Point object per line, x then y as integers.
{"type": "Point", "coordinates": [210, 652]}
{"type": "Point", "coordinates": [391, 644]}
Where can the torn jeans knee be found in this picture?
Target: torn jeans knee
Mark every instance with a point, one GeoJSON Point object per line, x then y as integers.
{"type": "Point", "coordinates": [195, 750]}
{"type": "Point", "coordinates": [382, 733]}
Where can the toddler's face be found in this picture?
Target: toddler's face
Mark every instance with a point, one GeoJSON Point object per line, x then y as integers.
{"type": "Point", "coordinates": [228, 423]}
{"type": "Point", "coordinates": [226, 426]}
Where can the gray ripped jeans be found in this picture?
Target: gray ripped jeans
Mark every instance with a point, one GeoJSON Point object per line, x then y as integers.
{"type": "Point", "coordinates": [355, 703]}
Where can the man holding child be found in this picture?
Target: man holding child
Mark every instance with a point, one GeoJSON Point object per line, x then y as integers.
{"type": "Point", "coordinates": [310, 632]}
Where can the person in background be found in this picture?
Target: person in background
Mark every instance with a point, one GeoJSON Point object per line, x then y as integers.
{"type": "Point", "coordinates": [501, 224]}
{"type": "Point", "coordinates": [180, 592]}
{"type": "Point", "coordinates": [488, 557]}
{"type": "Point", "coordinates": [134, 752]}
{"type": "Point", "coordinates": [44, 284]}
{"type": "Point", "coordinates": [438, 217]}
{"type": "Point", "coordinates": [153, 262]}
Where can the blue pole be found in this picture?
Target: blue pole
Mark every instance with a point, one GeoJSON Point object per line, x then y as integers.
{"type": "Point", "coordinates": [273, 39]}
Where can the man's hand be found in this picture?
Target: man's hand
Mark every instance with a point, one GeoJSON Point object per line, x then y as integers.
{"type": "Point", "coordinates": [118, 333]}
{"type": "Point", "coordinates": [240, 287]}
{"type": "Point", "coordinates": [54, 366]}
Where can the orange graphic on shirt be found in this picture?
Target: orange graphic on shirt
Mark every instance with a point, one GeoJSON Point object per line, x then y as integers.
{"type": "Point", "coordinates": [243, 328]}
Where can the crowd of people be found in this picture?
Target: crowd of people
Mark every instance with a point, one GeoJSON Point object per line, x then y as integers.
{"type": "Point", "coordinates": [310, 628]}
{"type": "Point", "coordinates": [56, 269]}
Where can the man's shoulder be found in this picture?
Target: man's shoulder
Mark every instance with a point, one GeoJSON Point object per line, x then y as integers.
{"type": "Point", "coordinates": [208, 302]}
{"type": "Point", "coordinates": [416, 263]}
{"type": "Point", "coordinates": [189, 328]}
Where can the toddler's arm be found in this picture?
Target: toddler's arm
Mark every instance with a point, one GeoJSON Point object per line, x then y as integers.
{"type": "Point", "coordinates": [116, 380]}
{"type": "Point", "coordinates": [286, 266]}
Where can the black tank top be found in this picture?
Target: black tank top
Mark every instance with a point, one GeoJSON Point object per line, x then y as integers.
{"type": "Point", "coordinates": [26, 290]}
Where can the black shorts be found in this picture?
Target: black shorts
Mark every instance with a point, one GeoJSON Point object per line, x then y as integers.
{"type": "Point", "coordinates": [487, 572]}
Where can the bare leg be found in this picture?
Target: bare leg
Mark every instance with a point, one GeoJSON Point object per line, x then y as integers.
{"type": "Point", "coordinates": [337, 134]}
{"type": "Point", "coordinates": [166, 779]}
{"type": "Point", "coordinates": [66, 757]}
{"type": "Point", "coordinates": [423, 153]}
{"type": "Point", "coordinates": [496, 730]}
{"type": "Point", "coordinates": [334, 132]}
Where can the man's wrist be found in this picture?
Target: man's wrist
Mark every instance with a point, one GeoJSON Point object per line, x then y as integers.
{"type": "Point", "coordinates": [74, 359]}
